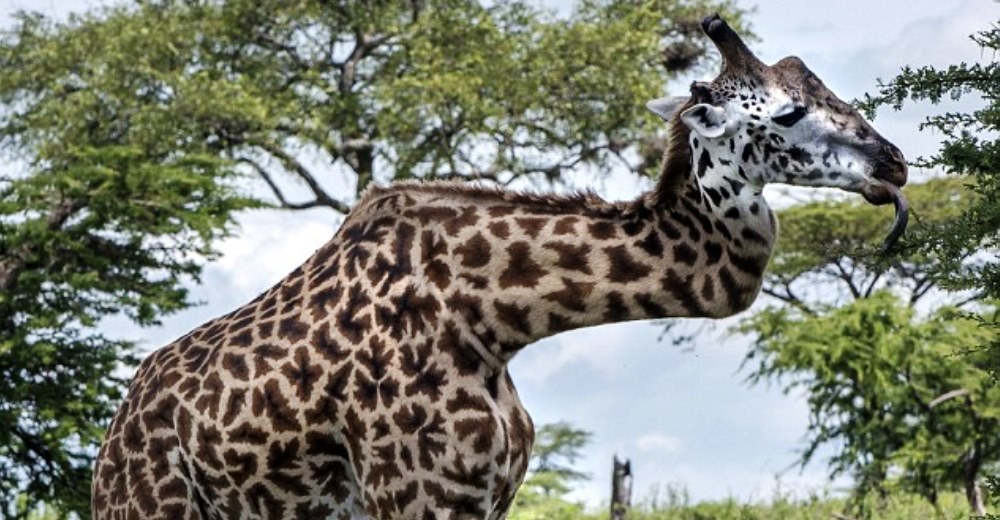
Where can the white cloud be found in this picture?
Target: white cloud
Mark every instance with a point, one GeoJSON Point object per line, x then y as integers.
{"type": "Point", "coordinates": [658, 442]}
{"type": "Point", "coordinates": [269, 246]}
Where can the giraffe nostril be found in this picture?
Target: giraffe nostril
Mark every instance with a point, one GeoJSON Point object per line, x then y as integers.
{"type": "Point", "coordinates": [890, 165]}
{"type": "Point", "coordinates": [896, 154]}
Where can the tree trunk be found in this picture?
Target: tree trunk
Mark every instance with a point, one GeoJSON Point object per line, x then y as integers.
{"type": "Point", "coordinates": [621, 488]}
{"type": "Point", "coordinates": [972, 490]}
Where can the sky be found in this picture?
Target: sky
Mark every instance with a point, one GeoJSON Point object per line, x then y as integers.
{"type": "Point", "coordinates": [684, 416]}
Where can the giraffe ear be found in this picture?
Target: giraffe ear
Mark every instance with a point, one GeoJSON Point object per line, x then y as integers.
{"type": "Point", "coordinates": [707, 120]}
{"type": "Point", "coordinates": [666, 107]}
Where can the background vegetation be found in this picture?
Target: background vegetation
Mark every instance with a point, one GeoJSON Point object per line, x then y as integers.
{"type": "Point", "coordinates": [132, 136]}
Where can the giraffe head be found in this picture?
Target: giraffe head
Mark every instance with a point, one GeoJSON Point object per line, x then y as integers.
{"type": "Point", "coordinates": [780, 124]}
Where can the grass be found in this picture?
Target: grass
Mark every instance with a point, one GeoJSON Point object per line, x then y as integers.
{"type": "Point", "coordinates": [672, 504]}
{"type": "Point", "coordinates": [906, 507]}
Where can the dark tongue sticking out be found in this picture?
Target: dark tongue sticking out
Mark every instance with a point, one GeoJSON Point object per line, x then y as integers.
{"type": "Point", "coordinates": [902, 216]}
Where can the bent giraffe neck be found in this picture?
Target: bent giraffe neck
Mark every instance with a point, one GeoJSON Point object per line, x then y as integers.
{"type": "Point", "coordinates": [524, 272]}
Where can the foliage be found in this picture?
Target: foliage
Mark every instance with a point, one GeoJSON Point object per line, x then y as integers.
{"type": "Point", "coordinates": [834, 245]}
{"type": "Point", "coordinates": [891, 391]}
{"type": "Point", "coordinates": [531, 504]}
{"type": "Point", "coordinates": [318, 99]}
{"type": "Point", "coordinates": [673, 503]}
{"type": "Point", "coordinates": [71, 253]}
{"type": "Point", "coordinates": [898, 506]}
{"type": "Point", "coordinates": [971, 150]}
{"type": "Point", "coordinates": [872, 368]}
{"type": "Point", "coordinates": [557, 447]}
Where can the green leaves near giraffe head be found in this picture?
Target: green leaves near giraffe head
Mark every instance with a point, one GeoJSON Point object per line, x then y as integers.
{"type": "Point", "coordinates": [819, 233]}
{"type": "Point", "coordinates": [904, 393]}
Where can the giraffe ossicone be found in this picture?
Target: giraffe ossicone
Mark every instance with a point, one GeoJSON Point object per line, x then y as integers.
{"type": "Point", "coordinates": [372, 383]}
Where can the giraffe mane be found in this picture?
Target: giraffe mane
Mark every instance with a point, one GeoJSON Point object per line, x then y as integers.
{"type": "Point", "coordinates": [676, 168]}
{"type": "Point", "coordinates": [581, 202]}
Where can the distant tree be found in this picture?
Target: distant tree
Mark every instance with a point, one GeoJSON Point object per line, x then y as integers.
{"type": "Point", "coordinates": [557, 448]}
{"type": "Point", "coordinates": [892, 389]}
{"type": "Point", "coordinates": [124, 129]}
{"type": "Point", "coordinates": [893, 393]}
{"type": "Point", "coordinates": [551, 474]}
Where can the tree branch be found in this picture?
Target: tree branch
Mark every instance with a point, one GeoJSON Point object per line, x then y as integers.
{"type": "Point", "coordinates": [846, 277]}
{"type": "Point", "coordinates": [947, 396]}
{"type": "Point", "coordinates": [788, 297]}
{"type": "Point", "coordinates": [364, 44]}
{"type": "Point", "coordinates": [871, 286]}
{"type": "Point", "coordinates": [322, 198]}
{"type": "Point", "coordinates": [976, 296]}
{"type": "Point", "coordinates": [16, 261]}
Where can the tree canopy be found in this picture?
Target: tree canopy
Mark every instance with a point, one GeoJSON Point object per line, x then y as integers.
{"type": "Point", "coordinates": [71, 253]}
{"type": "Point", "coordinates": [319, 98]}
{"type": "Point", "coordinates": [970, 151]}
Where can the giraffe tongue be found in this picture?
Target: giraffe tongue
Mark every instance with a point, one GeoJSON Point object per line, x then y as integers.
{"type": "Point", "coordinates": [902, 216]}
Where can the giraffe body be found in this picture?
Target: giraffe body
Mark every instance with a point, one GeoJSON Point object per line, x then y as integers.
{"type": "Point", "coordinates": [372, 383]}
{"type": "Point", "coordinates": [376, 372]}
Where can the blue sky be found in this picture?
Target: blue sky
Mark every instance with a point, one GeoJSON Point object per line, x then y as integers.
{"type": "Point", "coordinates": [684, 416]}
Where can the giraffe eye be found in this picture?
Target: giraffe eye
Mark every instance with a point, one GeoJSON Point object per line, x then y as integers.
{"type": "Point", "coordinates": [790, 118]}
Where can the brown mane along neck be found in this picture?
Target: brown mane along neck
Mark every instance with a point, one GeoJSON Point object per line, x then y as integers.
{"type": "Point", "coordinates": [677, 165]}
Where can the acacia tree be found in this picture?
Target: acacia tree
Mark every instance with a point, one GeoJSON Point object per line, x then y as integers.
{"type": "Point", "coordinates": [124, 130]}
{"type": "Point", "coordinates": [970, 150]}
{"type": "Point", "coordinates": [905, 394]}
{"type": "Point", "coordinates": [335, 94]}
{"type": "Point", "coordinates": [887, 386]}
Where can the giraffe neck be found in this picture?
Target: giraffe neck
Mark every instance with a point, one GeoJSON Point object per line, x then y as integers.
{"type": "Point", "coordinates": [733, 192]}
{"type": "Point", "coordinates": [512, 271]}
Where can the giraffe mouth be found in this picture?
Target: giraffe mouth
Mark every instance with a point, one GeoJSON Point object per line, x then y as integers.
{"type": "Point", "coordinates": [884, 186]}
{"type": "Point", "coordinates": [883, 192]}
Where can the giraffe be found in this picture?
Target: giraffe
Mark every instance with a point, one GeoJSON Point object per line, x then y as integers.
{"type": "Point", "coordinates": [372, 382]}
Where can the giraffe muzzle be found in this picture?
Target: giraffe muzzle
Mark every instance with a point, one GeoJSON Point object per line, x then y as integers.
{"type": "Point", "coordinates": [891, 165]}
{"type": "Point", "coordinates": [890, 175]}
